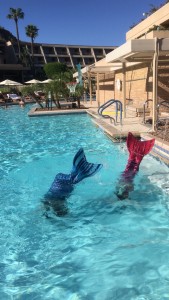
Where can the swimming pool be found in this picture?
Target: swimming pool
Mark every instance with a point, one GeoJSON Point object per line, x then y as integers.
{"type": "Point", "coordinates": [103, 249]}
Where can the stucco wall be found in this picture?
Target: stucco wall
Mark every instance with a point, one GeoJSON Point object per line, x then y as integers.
{"type": "Point", "coordinates": [138, 84]}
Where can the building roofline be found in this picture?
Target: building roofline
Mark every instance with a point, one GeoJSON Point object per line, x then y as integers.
{"type": "Point", "coordinates": [69, 45]}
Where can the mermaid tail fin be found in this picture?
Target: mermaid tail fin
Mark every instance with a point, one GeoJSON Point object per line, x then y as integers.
{"type": "Point", "coordinates": [81, 168]}
{"type": "Point", "coordinates": [138, 149]}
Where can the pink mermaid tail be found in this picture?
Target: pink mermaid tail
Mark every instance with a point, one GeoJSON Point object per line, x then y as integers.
{"type": "Point", "coordinates": [137, 150]}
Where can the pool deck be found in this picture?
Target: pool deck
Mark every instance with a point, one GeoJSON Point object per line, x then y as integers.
{"type": "Point", "coordinates": [116, 132]}
{"type": "Point", "coordinates": [39, 113]}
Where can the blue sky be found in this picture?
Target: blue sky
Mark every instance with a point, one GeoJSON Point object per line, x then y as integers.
{"type": "Point", "coordinates": [77, 22]}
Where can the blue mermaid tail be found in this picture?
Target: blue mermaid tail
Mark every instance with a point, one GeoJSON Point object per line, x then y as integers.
{"type": "Point", "coordinates": [81, 168]}
{"type": "Point", "coordinates": [63, 184]}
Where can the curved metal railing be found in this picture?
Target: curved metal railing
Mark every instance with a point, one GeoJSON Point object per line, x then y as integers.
{"type": "Point", "coordinates": [144, 110]}
{"type": "Point", "coordinates": [119, 108]}
{"type": "Point", "coordinates": [164, 103]}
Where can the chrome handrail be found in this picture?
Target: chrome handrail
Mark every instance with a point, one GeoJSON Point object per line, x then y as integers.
{"type": "Point", "coordinates": [118, 108]}
{"type": "Point", "coordinates": [144, 110]}
{"type": "Point", "coordinates": [158, 108]}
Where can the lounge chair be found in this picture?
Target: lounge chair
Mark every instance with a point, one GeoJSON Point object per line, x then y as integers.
{"type": "Point", "coordinates": [4, 99]}
{"type": "Point", "coordinates": [14, 97]}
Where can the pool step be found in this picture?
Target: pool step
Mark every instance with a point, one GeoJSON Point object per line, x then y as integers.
{"type": "Point", "coordinates": [114, 134]}
{"type": "Point", "coordinates": [117, 135]}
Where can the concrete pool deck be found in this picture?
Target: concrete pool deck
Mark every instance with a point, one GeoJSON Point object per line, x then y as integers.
{"type": "Point", "coordinates": [116, 132]}
{"type": "Point", "coordinates": [132, 124]}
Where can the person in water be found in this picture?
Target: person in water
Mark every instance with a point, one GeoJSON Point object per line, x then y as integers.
{"type": "Point", "coordinates": [63, 184]}
{"type": "Point", "coordinates": [137, 150]}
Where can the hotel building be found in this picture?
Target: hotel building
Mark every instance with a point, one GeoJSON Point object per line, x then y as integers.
{"type": "Point", "coordinates": [71, 55]}
{"type": "Point", "coordinates": [137, 71]}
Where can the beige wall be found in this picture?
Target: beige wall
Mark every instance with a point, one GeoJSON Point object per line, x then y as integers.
{"type": "Point", "coordinates": [106, 86]}
{"type": "Point", "coordinates": [138, 84]}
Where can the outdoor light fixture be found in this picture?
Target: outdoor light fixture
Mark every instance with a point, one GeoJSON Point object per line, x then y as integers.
{"type": "Point", "coordinates": [145, 14]}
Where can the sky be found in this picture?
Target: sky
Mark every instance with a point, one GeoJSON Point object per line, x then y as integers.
{"type": "Point", "coordinates": [77, 22]}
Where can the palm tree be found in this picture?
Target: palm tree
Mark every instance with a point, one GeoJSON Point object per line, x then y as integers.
{"type": "Point", "coordinates": [16, 14]}
{"type": "Point", "coordinates": [32, 32]}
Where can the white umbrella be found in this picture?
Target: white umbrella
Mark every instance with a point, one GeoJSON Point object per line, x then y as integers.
{"type": "Point", "coordinates": [9, 82]}
{"type": "Point", "coordinates": [47, 81]}
{"type": "Point", "coordinates": [33, 81]}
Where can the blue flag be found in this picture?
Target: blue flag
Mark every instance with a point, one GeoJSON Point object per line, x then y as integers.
{"type": "Point", "coordinates": [79, 74]}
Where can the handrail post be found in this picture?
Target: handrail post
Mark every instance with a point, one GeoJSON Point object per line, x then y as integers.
{"type": "Point", "coordinates": [116, 111]}
{"type": "Point", "coordinates": [144, 113]}
{"type": "Point", "coordinates": [121, 109]}
{"type": "Point", "coordinates": [144, 110]}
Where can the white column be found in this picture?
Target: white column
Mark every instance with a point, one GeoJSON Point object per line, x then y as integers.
{"type": "Point", "coordinates": [41, 48]}
{"type": "Point", "coordinates": [90, 86]}
{"type": "Point", "coordinates": [124, 89]}
{"type": "Point", "coordinates": [98, 91]}
{"type": "Point", "coordinates": [155, 83]}
{"type": "Point", "coordinates": [68, 51]}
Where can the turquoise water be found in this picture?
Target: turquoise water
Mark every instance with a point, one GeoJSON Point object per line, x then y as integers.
{"type": "Point", "coordinates": [103, 249]}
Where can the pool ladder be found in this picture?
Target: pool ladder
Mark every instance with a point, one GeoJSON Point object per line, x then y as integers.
{"type": "Point", "coordinates": [119, 109]}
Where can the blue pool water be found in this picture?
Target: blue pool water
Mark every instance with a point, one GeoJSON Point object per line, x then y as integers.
{"type": "Point", "coordinates": [103, 249]}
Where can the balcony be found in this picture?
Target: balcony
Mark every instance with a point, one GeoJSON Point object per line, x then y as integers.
{"type": "Point", "coordinates": [160, 34]}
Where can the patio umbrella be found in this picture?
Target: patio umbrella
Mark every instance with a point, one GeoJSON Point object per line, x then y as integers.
{"type": "Point", "coordinates": [47, 81]}
{"type": "Point", "coordinates": [10, 82]}
{"type": "Point", "coordinates": [33, 81]}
